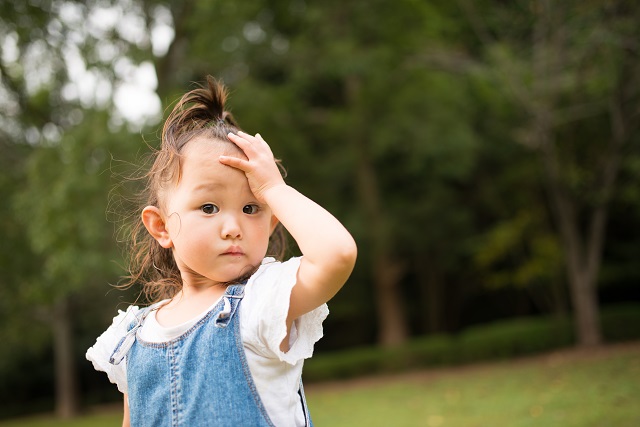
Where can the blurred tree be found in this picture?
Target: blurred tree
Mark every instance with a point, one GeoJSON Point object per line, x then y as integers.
{"type": "Point", "coordinates": [399, 117]}
{"type": "Point", "coordinates": [571, 68]}
{"type": "Point", "coordinates": [524, 253]}
{"type": "Point", "coordinates": [63, 205]}
{"type": "Point", "coordinates": [61, 62]}
{"type": "Point", "coordinates": [21, 337]}
{"type": "Point", "coordinates": [353, 114]}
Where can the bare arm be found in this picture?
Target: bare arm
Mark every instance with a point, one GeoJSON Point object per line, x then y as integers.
{"type": "Point", "coordinates": [328, 248]}
{"type": "Point", "coordinates": [125, 420]}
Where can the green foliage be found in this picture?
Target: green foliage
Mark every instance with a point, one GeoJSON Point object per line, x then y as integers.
{"type": "Point", "coordinates": [621, 323]}
{"type": "Point", "coordinates": [59, 244]}
{"type": "Point", "coordinates": [493, 341]}
{"type": "Point", "coordinates": [434, 94]}
{"type": "Point", "coordinates": [520, 251]}
{"type": "Point", "coordinates": [438, 92]}
{"type": "Point", "coordinates": [63, 207]}
{"type": "Point", "coordinates": [23, 336]}
{"type": "Point", "coordinates": [516, 337]}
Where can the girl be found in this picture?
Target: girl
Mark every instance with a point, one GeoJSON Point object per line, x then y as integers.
{"type": "Point", "coordinates": [225, 342]}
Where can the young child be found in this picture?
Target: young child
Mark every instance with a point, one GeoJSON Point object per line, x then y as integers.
{"type": "Point", "coordinates": [225, 342]}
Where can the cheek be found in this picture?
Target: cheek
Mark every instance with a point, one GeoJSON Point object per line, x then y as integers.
{"type": "Point", "coordinates": [174, 225]}
{"type": "Point", "coordinates": [263, 232]}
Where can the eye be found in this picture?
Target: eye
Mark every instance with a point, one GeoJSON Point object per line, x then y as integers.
{"type": "Point", "coordinates": [209, 208]}
{"type": "Point", "coordinates": [251, 209]}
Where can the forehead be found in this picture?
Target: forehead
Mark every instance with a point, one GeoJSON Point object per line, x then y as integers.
{"type": "Point", "coordinates": [201, 166]}
{"type": "Point", "coordinates": [204, 153]}
{"type": "Point", "coordinates": [211, 148]}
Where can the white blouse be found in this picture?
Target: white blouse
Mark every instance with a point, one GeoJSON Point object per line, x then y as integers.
{"type": "Point", "coordinates": [263, 315]}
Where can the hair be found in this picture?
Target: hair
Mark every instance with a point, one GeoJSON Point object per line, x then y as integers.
{"type": "Point", "coordinates": [200, 113]}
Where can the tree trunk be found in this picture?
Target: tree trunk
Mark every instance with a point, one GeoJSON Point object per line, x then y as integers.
{"type": "Point", "coordinates": [167, 65]}
{"type": "Point", "coordinates": [390, 307]}
{"type": "Point", "coordinates": [582, 255]}
{"type": "Point", "coordinates": [387, 272]}
{"type": "Point", "coordinates": [67, 404]}
{"type": "Point", "coordinates": [585, 311]}
{"type": "Point", "coordinates": [431, 296]}
{"type": "Point", "coordinates": [582, 246]}
{"type": "Point", "coordinates": [386, 269]}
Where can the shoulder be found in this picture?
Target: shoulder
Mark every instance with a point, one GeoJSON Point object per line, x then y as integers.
{"type": "Point", "coordinates": [121, 322]}
{"type": "Point", "coordinates": [271, 283]}
{"type": "Point", "coordinates": [264, 313]}
{"type": "Point", "coordinates": [272, 270]}
{"type": "Point", "coordinates": [100, 353]}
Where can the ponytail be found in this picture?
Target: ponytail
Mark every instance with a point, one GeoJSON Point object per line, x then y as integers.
{"type": "Point", "coordinates": [197, 111]}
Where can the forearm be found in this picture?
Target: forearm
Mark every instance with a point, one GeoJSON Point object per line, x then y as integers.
{"type": "Point", "coordinates": [326, 244]}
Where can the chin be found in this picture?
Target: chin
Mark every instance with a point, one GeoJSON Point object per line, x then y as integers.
{"type": "Point", "coordinates": [241, 275]}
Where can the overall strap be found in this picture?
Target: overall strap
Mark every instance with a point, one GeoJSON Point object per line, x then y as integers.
{"type": "Point", "coordinates": [305, 409]}
{"type": "Point", "coordinates": [230, 299]}
{"type": "Point", "coordinates": [127, 341]}
{"type": "Point", "coordinates": [234, 293]}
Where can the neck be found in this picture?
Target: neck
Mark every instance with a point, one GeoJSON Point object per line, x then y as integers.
{"type": "Point", "coordinates": [190, 302]}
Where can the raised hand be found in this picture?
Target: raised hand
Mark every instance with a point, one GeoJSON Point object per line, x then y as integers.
{"type": "Point", "coordinates": [329, 252]}
{"type": "Point", "coordinates": [260, 166]}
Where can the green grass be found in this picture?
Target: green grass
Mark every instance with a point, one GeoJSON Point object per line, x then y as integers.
{"type": "Point", "coordinates": [100, 419]}
{"type": "Point", "coordinates": [563, 389]}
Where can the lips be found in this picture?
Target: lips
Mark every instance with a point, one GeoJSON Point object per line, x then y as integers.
{"type": "Point", "coordinates": [233, 251]}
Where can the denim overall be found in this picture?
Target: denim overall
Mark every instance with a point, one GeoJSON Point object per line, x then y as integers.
{"type": "Point", "coordinates": [198, 379]}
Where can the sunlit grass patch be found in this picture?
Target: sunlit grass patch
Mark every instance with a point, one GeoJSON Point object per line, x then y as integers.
{"type": "Point", "coordinates": [567, 389]}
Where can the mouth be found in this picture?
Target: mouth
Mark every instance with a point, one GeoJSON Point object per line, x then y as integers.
{"type": "Point", "coordinates": [233, 251]}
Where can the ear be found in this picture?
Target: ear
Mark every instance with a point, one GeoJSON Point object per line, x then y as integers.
{"type": "Point", "coordinates": [274, 223]}
{"type": "Point", "coordinates": [154, 223]}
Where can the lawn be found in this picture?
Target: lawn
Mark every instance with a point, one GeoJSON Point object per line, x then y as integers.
{"type": "Point", "coordinates": [563, 389]}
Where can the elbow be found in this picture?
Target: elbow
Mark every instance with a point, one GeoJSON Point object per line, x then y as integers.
{"type": "Point", "coordinates": [346, 254]}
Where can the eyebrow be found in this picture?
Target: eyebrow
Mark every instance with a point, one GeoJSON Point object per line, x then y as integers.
{"type": "Point", "coordinates": [208, 186]}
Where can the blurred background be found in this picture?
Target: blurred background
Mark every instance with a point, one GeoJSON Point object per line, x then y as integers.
{"type": "Point", "coordinates": [485, 155]}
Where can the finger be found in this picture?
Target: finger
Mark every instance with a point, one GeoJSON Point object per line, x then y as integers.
{"type": "Point", "coordinates": [242, 143]}
{"type": "Point", "coordinates": [238, 139]}
{"type": "Point", "coordinates": [250, 138]}
{"type": "Point", "coordinates": [262, 142]}
{"type": "Point", "coordinates": [234, 162]}
{"type": "Point", "coordinates": [257, 139]}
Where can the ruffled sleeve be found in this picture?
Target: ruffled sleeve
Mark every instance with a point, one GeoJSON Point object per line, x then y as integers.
{"type": "Point", "coordinates": [101, 351]}
{"type": "Point", "coordinates": [264, 313]}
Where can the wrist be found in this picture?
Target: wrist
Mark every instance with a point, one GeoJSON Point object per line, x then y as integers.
{"type": "Point", "coordinates": [271, 192]}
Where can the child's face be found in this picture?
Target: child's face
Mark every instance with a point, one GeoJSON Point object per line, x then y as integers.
{"type": "Point", "coordinates": [218, 229]}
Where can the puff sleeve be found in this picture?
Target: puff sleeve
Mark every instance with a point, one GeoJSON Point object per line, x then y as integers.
{"type": "Point", "coordinates": [101, 351]}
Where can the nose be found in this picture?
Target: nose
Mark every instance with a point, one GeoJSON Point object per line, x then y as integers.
{"type": "Point", "coordinates": [231, 228]}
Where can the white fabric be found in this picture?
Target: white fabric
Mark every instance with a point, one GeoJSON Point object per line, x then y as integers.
{"type": "Point", "coordinates": [263, 314]}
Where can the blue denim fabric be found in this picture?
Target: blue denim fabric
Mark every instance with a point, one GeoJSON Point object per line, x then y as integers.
{"type": "Point", "coordinates": [199, 379]}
